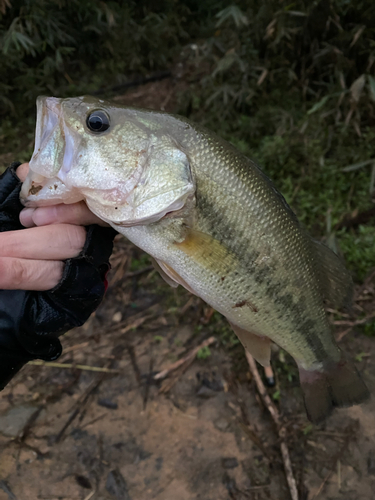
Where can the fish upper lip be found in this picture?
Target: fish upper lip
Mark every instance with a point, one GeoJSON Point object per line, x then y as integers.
{"type": "Point", "coordinates": [48, 113]}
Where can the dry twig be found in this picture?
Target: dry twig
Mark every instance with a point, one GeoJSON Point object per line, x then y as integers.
{"type": "Point", "coordinates": [75, 347]}
{"type": "Point", "coordinates": [90, 495]}
{"type": "Point", "coordinates": [6, 488]}
{"type": "Point", "coordinates": [189, 357]}
{"type": "Point", "coordinates": [80, 404]}
{"type": "Point", "coordinates": [357, 322]}
{"type": "Point", "coordinates": [280, 428]}
{"type": "Point", "coordinates": [88, 368]}
{"type": "Point", "coordinates": [179, 367]}
{"type": "Point", "coordinates": [133, 321]}
{"type": "Point", "coordinates": [133, 274]}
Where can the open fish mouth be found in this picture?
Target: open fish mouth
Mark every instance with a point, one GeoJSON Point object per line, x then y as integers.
{"type": "Point", "coordinates": [52, 154]}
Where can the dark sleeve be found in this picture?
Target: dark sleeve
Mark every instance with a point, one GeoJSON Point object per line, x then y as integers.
{"type": "Point", "coordinates": [30, 322]}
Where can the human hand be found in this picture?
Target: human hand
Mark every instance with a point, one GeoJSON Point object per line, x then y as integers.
{"type": "Point", "coordinates": [76, 213]}
{"type": "Point", "coordinates": [31, 321]}
{"type": "Point", "coordinates": [32, 259]}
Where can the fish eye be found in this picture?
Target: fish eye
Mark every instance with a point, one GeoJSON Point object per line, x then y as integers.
{"type": "Point", "coordinates": [98, 121]}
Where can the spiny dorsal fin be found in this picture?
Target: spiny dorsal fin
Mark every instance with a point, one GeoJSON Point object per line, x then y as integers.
{"type": "Point", "coordinates": [335, 280]}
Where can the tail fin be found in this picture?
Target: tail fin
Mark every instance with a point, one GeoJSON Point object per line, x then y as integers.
{"type": "Point", "coordinates": [339, 385]}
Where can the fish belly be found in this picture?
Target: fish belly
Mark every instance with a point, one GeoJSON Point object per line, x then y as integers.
{"type": "Point", "coordinates": [327, 379]}
{"type": "Point", "coordinates": [265, 308]}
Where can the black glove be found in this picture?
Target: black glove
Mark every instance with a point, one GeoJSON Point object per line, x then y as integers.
{"type": "Point", "coordinates": [30, 322]}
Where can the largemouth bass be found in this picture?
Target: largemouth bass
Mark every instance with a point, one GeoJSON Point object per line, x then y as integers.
{"type": "Point", "coordinates": [212, 221]}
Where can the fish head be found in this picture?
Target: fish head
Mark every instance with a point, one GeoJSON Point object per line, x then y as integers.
{"type": "Point", "coordinates": [121, 161]}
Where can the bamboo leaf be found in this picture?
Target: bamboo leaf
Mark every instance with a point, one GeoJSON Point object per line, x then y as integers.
{"type": "Point", "coordinates": [357, 35]}
{"type": "Point", "coordinates": [371, 84]}
{"type": "Point", "coordinates": [234, 13]}
{"type": "Point", "coordinates": [372, 180]}
{"type": "Point", "coordinates": [357, 87]}
{"type": "Point", "coordinates": [318, 105]}
{"type": "Point", "coordinates": [297, 13]}
{"type": "Point", "coordinates": [357, 166]}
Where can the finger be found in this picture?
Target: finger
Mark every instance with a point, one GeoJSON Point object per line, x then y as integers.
{"type": "Point", "coordinates": [76, 213]}
{"type": "Point", "coordinates": [22, 171]}
{"type": "Point", "coordinates": [22, 274]}
{"type": "Point", "coordinates": [56, 242]}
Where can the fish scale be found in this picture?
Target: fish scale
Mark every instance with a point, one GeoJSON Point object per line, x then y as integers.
{"type": "Point", "coordinates": [260, 222]}
{"type": "Point", "coordinates": [212, 221]}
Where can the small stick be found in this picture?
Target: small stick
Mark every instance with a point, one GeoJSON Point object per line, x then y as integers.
{"type": "Point", "coordinates": [80, 404]}
{"type": "Point", "coordinates": [29, 423]}
{"type": "Point", "coordinates": [75, 347]}
{"type": "Point", "coordinates": [257, 487]}
{"type": "Point", "coordinates": [190, 356]}
{"type": "Point", "coordinates": [6, 488]}
{"type": "Point", "coordinates": [184, 308]}
{"type": "Point", "coordinates": [88, 368]}
{"type": "Point", "coordinates": [356, 322]}
{"type": "Point", "coordinates": [94, 420]}
{"type": "Point", "coordinates": [132, 274]}
{"type": "Point", "coordinates": [120, 270]}
{"type": "Point", "coordinates": [90, 495]}
{"type": "Point", "coordinates": [148, 383]}
{"type": "Point", "coordinates": [342, 334]}
{"type": "Point", "coordinates": [280, 428]}
{"type": "Point", "coordinates": [248, 429]}
{"type": "Point", "coordinates": [255, 439]}
{"type": "Point", "coordinates": [136, 320]}
{"type": "Point", "coordinates": [133, 360]}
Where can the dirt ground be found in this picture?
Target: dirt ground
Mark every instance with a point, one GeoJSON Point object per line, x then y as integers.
{"type": "Point", "coordinates": [202, 432]}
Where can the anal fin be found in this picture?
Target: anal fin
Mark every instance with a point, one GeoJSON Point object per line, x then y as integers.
{"type": "Point", "coordinates": [258, 347]}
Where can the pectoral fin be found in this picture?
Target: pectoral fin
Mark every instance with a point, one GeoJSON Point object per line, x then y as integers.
{"type": "Point", "coordinates": [258, 347]}
{"type": "Point", "coordinates": [206, 251]}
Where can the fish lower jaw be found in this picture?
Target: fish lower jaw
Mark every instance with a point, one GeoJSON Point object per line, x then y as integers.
{"type": "Point", "coordinates": [38, 191]}
{"type": "Point", "coordinates": [127, 213]}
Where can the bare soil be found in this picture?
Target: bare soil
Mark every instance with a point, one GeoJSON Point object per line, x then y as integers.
{"type": "Point", "coordinates": [201, 433]}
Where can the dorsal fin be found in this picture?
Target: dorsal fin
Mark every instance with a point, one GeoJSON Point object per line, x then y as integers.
{"type": "Point", "coordinates": [335, 280]}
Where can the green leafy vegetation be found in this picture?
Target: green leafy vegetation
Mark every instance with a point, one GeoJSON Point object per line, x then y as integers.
{"type": "Point", "coordinates": [285, 367]}
{"type": "Point", "coordinates": [359, 249]}
{"type": "Point", "coordinates": [137, 264]}
{"type": "Point", "coordinates": [291, 84]}
{"type": "Point", "coordinates": [369, 329]}
{"type": "Point", "coordinates": [308, 429]}
{"type": "Point", "coordinates": [204, 353]}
